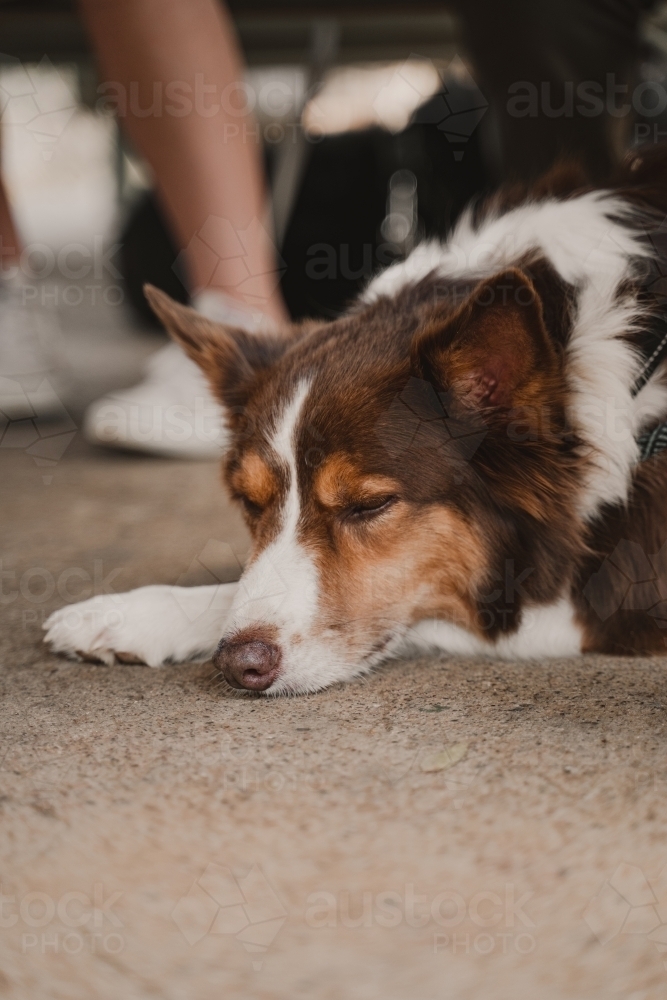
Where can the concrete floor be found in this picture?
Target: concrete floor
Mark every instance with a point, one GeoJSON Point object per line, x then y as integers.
{"type": "Point", "coordinates": [443, 829]}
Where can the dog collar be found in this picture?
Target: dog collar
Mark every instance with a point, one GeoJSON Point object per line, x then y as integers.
{"type": "Point", "coordinates": [653, 441]}
{"type": "Point", "coordinates": [658, 338]}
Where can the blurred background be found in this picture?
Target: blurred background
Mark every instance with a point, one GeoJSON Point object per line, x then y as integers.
{"type": "Point", "coordinates": [377, 122]}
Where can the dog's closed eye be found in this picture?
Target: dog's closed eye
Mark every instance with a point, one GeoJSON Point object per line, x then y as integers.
{"type": "Point", "coordinates": [367, 509]}
{"type": "Point", "coordinates": [251, 508]}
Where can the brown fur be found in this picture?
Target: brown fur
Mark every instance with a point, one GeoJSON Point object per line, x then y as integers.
{"type": "Point", "coordinates": [620, 590]}
{"type": "Point", "coordinates": [339, 484]}
{"type": "Point", "coordinates": [450, 404]}
{"type": "Point", "coordinates": [253, 481]}
{"type": "Point", "coordinates": [381, 398]}
{"type": "Point", "coordinates": [414, 563]}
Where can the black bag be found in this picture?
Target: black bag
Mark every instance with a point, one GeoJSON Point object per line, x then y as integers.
{"type": "Point", "coordinates": [338, 236]}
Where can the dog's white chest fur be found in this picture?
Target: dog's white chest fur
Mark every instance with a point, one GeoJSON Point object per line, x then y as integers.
{"type": "Point", "coordinates": [546, 631]}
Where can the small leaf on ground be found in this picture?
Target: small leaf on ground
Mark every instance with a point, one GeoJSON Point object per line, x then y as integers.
{"type": "Point", "coordinates": [440, 761]}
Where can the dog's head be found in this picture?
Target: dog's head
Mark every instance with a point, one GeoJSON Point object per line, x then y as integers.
{"type": "Point", "coordinates": [408, 461]}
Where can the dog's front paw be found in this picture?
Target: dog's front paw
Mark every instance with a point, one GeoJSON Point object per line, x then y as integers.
{"type": "Point", "coordinates": [137, 627]}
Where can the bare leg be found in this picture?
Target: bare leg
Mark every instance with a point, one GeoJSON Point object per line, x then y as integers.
{"type": "Point", "coordinates": [10, 245]}
{"type": "Point", "coordinates": [206, 162]}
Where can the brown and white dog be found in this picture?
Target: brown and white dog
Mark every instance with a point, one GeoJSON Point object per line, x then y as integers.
{"type": "Point", "coordinates": [451, 465]}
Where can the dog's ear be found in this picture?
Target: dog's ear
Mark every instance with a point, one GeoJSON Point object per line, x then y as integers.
{"type": "Point", "coordinates": [493, 352]}
{"type": "Point", "coordinates": [230, 358]}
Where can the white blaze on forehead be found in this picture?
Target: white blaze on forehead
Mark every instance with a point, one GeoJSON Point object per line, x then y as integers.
{"type": "Point", "coordinates": [283, 443]}
{"type": "Point", "coordinates": [281, 586]}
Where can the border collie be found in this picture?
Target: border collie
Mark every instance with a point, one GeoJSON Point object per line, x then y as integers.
{"type": "Point", "coordinates": [455, 464]}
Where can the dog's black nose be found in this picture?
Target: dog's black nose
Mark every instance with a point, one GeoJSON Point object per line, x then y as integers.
{"type": "Point", "coordinates": [251, 665]}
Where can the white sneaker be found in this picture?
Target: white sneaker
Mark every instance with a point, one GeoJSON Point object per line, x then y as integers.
{"type": "Point", "coordinates": [29, 386]}
{"type": "Point", "coordinates": [172, 412]}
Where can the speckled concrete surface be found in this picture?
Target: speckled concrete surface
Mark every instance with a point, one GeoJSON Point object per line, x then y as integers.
{"type": "Point", "coordinates": [162, 836]}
